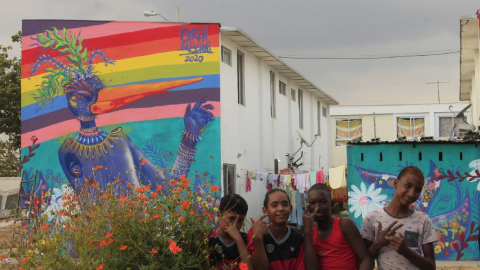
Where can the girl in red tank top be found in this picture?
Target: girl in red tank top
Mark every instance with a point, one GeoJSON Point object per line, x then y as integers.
{"type": "Point", "coordinates": [335, 243]}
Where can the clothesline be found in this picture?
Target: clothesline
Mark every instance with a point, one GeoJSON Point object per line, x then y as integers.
{"type": "Point", "coordinates": [296, 181]}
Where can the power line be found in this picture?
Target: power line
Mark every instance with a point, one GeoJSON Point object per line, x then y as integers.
{"type": "Point", "coordinates": [365, 58]}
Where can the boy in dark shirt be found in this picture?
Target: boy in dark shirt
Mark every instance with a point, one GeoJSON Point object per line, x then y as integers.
{"type": "Point", "coordinates": [276, 246]}
{"type": "Point", "coordinates": [228, 246]}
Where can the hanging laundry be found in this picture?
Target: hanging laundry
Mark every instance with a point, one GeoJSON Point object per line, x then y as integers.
{"type": "Point", "coordinates": [293, 215]}
{"type": "Point", "coordinates": [299, 212]}
{"type": "Point", "coordinates": [248, 184]}
{"type": "Point", "coordinates": [306, 185]}
{"type": "Point", "coordinates": [320, 177]}
{"type": "Point", "coordinates": [313, 178]}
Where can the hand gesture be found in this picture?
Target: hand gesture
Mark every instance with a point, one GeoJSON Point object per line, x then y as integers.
{"type": "Point", "coordinates": [308, 219]}
{"type": "Point", "coordinates": [196, 119]}
{"type": "Point", "coordinates": [259, 227]}
{"type": "Point", "coordinates": [398, 244]}
{"type": "Point", "coordinates": [383, 237]}
{"type": "Point", "coordinates": [232, 230]}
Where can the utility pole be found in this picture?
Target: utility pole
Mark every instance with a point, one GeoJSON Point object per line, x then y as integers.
{"type": "Point", "coordinates": [438, 88]}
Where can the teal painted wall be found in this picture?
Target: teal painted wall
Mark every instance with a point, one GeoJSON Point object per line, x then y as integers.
{"type": "Point", "coordinates": [450, 197]}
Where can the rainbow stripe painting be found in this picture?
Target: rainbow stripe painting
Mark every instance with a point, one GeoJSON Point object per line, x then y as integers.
{"type": "Point", "coordinates": [124, 100]}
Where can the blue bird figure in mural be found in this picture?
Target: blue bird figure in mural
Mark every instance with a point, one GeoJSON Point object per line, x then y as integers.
{"type": "Point", "coordinates": [449, 220]}
{"type": "Point", "coordinates": [95, 154]}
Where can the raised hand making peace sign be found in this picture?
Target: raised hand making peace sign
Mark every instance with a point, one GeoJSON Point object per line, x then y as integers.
{"type": "Point", "coordinates": [260, 227]}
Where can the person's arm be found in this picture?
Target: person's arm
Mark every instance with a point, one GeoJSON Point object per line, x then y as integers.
{"type": "Point", "coordinates": [310, 258]}
{"type": "Point", "coordinates": [351, 233]}
{"type": "Point", "coordinates": [382, 238]}
{"type": "Point", "coordinates": [242, 248]}
{"type": "Point", "coordinates": [259, 228]}
{"type": "Point", "coordinates": [426, 262]}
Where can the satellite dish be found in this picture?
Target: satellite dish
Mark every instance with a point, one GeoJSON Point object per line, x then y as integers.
{"type": "Point", "coordinates": [461, 114]}
{"type": "Point", "coordinates": [301, 137]}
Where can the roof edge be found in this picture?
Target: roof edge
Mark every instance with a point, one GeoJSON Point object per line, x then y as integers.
{"type": "Point", "coordinates": [333, 101]}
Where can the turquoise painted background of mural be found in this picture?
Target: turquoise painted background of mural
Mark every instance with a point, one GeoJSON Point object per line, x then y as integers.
{"type": "Point", "coordinates": [450, 196]}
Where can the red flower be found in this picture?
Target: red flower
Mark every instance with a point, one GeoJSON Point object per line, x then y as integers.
{"type": "Point", "coordinates": [159, 187]}
{"type": "Point", "coordinates": [44, 227]}
{"type": "Point", "coordinates": [123, 247]}
{"type": "Point", "coordinates": [185, 204]}
{"type": "Point", "coordinates": [156, 216]}
{"type": "Point", "coordinates": [243, 266]}
{"type": "Point", "coordinates": [144, 161]}
{"type": "Point", "coordinates": [26, 227]}
{"type": "Point", "coordinates": [100, 267]}
{"type": "Point", "coordinates": [24, 260]}
{"type": "Point", "coordinates": [131, 214]}
{"type": "Point", "coordinates": [174, 248]}
{"type": "Point", "coordinates": [154, 195]}
{"type": "Point", "coordinates": [110, 241]}
{"type": "Point", "coordinates": [129, 184]}
{"type": "Point", "coordinates": [214, 188]}
{"type": "Point", "coordinates": [109, 235]}
{"type": "Point", "coordinates": [181, 220]}
{"type": "Point", "coordinates": [123, 199]}
{"type": "Point", "coordinates": [170, 240]}
{"type": "Point", "coordinates": [153, 251]}
{"type": "Point", "coordinates": [144, 188]}
{"type": "Point", "coordinates": [102, 243]}
{"type": "Point", "coordinates": [191, 212]}
{"type": "Point", "coordinates": [93, 185]}
{"type": "Point", "coordinates": [164, 169]}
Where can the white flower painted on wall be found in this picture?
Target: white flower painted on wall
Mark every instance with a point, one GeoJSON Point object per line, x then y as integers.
{"type": "Point", "coordinates": [362, 201]}
{"type": "Point", "coordinates": [475, 166]}
{"type": "Point", "coordinates": [56, 204]}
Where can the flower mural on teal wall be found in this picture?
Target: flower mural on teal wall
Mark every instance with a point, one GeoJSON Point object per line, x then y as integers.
{"type": "Point", "coordinates": [363, 201]}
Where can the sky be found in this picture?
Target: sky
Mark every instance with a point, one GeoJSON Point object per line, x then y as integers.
{"type": "Point", "coordinates": [314, 29]}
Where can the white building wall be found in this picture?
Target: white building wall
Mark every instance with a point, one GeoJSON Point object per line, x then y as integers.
{"type": "Point", "coordinates": [251, 139]}
{"type": "Point", "coordinates": [475, 100]}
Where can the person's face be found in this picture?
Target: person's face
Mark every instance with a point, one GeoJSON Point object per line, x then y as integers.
{"type": "Point", "coordinates": [321, 200]}
{"type": "Point", "coordinates": [408, 189]}
{"type": "Point", "coordinates": [231, 218]}
{"type": "Point", "coordinates": [278, 208]}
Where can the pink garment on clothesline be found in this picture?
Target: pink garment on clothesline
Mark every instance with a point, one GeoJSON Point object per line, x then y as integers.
{"type": "Point", "coordinates": [320, 177]}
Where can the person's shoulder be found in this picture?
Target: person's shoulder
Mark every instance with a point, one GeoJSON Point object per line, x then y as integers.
{"type": "Point", "coordinates": [347, 225]}
{"type": "Point", "coordinates": [375, 213]}
{"type": "Point", "coordinates": [420, 215]}
{"type": "Point", "coordinates": [295, 234]}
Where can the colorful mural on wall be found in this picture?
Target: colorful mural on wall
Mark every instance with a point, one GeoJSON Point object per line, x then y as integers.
{"type": "Point", "coordinates": [128, 101]}
{"type": "Point", "coordinates": [450, 195]}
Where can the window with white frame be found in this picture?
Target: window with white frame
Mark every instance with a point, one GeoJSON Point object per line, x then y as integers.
{"type": "Point", "coordinates": [293, 94]}
{"type": "Point", "coordinates": [318, 117]}
{"type": "Point", "coordinates": [240, 78]}
{"type": "Point", "coordinates": [226, 56]}
{"type": "Point", "coordinates": [410, 127]}
{"type": "Point", "coordinates": [282, 88]}
{"type": "Point", "coordinates": [300, 108]}
{"type": "Point", "coordinates": [448, 124]}
{"type": "Point", "coordinates": [272, 95]}
{"type": "Point", "coordinates": [347, 130]}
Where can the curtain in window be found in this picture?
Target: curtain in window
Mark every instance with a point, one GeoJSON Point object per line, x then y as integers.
{"type": "Point", "coordinates": [348, 130]}
{"type": "Point", "coordinates": [410, 127]}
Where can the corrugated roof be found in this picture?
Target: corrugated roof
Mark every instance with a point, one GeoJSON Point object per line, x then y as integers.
{"type": "Point", "coordinates": [250, 45]}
